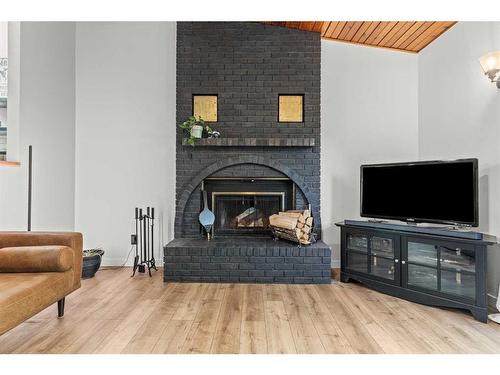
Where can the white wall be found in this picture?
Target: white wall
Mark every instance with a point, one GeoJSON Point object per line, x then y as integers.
{"type": "Point", "coordinates": [368, 115]}
{"type": "Point", "coordinates": [125, 131]}
{"type": "Point", "coordinates": [459, 115]}
{"type": "Point", "coordinates": [46, 121]}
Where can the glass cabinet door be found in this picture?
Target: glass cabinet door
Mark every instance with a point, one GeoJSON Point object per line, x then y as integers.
{"type": "Point", "coordinates": [422, 269]}
{"type": "Point", "coordinates": [458, 271]}
{"type": "Point", "coordinates": [357, 252]}
{"type": "Point", "coordinates": [375, 255]}
{"type": "Point", "coordinates": [441, 269]}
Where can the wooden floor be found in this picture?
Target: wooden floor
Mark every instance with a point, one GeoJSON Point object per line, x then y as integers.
{"type": "Point", "coordinates": [113, 313]}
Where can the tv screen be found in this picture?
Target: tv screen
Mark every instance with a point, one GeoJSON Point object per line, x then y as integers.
{"type": "Point", "coordinates": [434, 191]}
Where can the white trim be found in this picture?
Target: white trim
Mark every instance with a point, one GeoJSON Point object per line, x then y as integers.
{"type": "Point", "coordinates": [116, 262]}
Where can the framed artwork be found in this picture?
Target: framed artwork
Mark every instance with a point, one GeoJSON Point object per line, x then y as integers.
{"type": "Point", "coordinates": [205, 106]}
{"type": "Point", "coordinates": [291, 108]}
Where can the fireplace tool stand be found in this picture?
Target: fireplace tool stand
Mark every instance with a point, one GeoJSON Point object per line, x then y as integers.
{"type": "Point", "coordinates": [143, 239]}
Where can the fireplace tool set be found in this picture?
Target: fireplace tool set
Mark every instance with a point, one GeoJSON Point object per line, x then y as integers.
{"type": "Point", "coordinates": [143, 239]}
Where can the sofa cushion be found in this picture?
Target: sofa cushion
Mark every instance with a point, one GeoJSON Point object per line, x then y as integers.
{"type": "Point", "coordinates": [23, 295]}
{"type": "Point", "coordinates": [36, 259]}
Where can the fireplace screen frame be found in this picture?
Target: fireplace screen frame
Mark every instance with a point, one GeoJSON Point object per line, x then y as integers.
{"type": "Point", "coordinates": [216, 194]}
{"type": "Point", "coordinates": [282, 187]}
{"type": "Point", "coordinates": [249, 193]}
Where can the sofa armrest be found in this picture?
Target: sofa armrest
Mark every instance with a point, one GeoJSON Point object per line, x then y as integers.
{"type": "Point", "coordinates": [73, 240]}
{"type": "Point", "coordinates": [36, 259]}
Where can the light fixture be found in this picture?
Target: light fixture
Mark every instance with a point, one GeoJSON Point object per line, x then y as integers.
{"type": "Point", "coordinates": [491, 66]}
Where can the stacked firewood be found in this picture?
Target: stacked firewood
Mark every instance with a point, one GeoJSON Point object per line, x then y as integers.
{"type": "Point", "coordinates": [294, 225]}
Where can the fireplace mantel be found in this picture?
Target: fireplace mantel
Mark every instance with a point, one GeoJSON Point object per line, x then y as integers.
{"type": "Point", "coordinates": [254, 142]}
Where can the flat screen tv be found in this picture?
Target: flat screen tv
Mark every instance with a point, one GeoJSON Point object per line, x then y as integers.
{"type": "Point", "coordinates": [430, 191]}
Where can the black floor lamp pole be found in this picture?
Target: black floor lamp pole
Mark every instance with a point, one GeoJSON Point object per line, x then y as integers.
{"type": "Point", "coordinates": [30, 176]}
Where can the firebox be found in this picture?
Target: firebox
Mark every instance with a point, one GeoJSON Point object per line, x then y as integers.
{"type": "Point", "coordinates": [242, 206]}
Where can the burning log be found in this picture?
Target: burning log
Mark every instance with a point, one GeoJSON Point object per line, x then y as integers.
{"type": "Point", "coordinates": [250, 218]}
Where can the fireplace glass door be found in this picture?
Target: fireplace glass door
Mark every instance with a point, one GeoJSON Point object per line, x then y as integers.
{"type": "Point", "coordinates": [245, 213]}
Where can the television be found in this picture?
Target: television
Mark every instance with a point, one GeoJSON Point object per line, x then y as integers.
{"type": "Point", "coordinates": [429, 191]}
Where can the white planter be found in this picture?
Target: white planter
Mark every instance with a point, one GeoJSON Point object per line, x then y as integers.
{"type": "Point", "coordinates": [196, 131]}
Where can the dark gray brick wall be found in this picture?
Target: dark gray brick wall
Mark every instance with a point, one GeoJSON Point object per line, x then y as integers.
{"type": "Point", "coordinates": [247, 64]}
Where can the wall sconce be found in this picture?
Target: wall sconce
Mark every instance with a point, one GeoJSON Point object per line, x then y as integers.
{"type": "Point", "coordinates": [491, 66]}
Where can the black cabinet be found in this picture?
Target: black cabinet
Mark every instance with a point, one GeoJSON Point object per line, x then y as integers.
{"type": "Point", "coordinates": [429, 269]}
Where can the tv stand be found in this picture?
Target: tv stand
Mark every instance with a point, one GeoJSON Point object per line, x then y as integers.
{"type": "Point", "coordinates": [432, 268]}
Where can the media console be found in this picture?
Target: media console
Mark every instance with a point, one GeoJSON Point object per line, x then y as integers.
{"type": "Point", "coordinates": [431, 267]}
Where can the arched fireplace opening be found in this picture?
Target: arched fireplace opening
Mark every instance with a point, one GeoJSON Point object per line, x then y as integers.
{"type": "Point", "coordinates": [242, 194]}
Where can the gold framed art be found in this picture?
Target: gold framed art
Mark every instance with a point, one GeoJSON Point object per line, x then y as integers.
{"type": "Point", "coordinates": [205, 106]}
{"type": "Point", "coordinates": [290, 108]}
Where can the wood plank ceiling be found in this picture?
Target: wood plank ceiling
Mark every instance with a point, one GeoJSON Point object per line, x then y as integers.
{"type": "Point", "coordinates": [408, 36]}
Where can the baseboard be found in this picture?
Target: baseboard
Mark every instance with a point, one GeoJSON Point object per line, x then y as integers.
{"type": "Point", "coordinates": [118, 261]}
{"type": "Point", "coordinates": [115, 262]}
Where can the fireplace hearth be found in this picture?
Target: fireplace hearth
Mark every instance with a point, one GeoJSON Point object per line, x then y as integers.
{"type": "Point", "coordinates": [246, 260]}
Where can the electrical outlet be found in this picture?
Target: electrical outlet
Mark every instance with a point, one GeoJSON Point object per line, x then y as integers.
{"type": "Point", "coordinates": [133, 239]}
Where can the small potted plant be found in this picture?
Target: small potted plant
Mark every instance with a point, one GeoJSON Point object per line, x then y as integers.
{"type": "Point", "coordinates": [195, 128]}
{"type": "Point", "coordinates": [91, 262]}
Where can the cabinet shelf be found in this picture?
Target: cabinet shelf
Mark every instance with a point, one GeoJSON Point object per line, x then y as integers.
{"type": "Point", "coordinates": [420, 264]}
{"type": "Point", "coordinates": [383, 256]}
{"type": "Point", "coordinates": [375, 255]}
{"type": "Point", "coordinates": [356, 251]}
{"type": "Point", "coordinates": [459, 270]}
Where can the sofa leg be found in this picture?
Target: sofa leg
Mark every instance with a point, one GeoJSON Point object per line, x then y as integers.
{"type": "Point", "coordinates": [60, 308]}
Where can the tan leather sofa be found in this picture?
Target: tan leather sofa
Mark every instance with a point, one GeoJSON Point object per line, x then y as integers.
{"type": "Point", "coordinates": [37, 269]}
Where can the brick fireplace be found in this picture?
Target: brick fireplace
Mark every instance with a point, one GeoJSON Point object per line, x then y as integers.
{"type": "Point", "coordinates": [259, 165]}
